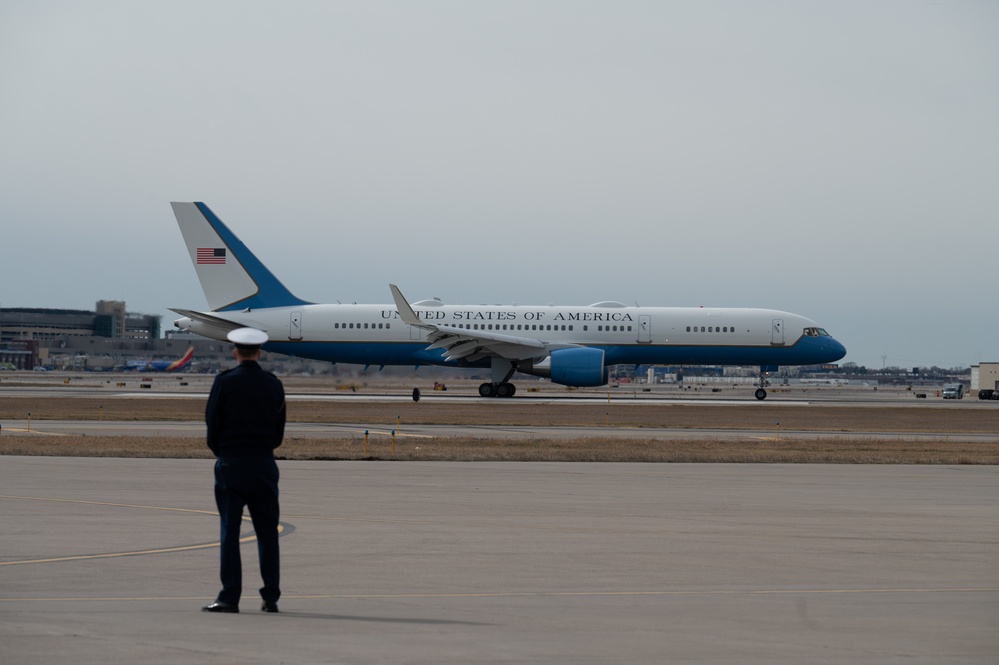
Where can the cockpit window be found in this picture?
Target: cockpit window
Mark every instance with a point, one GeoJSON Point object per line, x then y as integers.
{"type": "Point", "coordinates": [816, 332]}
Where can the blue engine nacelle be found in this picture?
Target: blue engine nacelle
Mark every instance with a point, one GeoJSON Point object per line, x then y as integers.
{"type": "Point", "coordinates": [578, 367]}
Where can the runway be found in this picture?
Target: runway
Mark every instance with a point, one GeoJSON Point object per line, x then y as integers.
{"type": "Point", "coordinates": [196, 386]}
{"type": "Point", "coordinates": [160, 428]}
{"type": "Point", "coordinates": [108, 560]}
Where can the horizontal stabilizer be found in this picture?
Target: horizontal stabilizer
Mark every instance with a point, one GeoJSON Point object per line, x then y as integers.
{"type": "Point", "coordinates": [224, 325]}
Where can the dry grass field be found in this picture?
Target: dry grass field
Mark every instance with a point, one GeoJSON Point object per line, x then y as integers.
{"type": "Point", "coordinates": [859, 422]}
{"type": "Point", "coordinates": [816, 418]}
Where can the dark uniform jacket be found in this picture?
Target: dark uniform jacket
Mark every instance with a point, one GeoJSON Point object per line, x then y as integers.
{"type": "Point", "coordinates": [245, 414]}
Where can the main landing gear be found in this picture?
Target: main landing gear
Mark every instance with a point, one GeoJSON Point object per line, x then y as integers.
{"type": "Point", "coordinates": [502, 370]}
{"type": "Point", "coordinates": [502, 389]}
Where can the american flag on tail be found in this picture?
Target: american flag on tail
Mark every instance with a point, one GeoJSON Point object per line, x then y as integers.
{"type": "Point", "coordinates": [211, 255]}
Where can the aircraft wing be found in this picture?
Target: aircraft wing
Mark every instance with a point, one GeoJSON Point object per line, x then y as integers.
{"type": "Point", "coordinates": [465, 344]}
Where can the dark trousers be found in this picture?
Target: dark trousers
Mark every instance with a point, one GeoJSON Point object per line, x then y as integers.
{"type": "Point", "coordinates": [250, 482]}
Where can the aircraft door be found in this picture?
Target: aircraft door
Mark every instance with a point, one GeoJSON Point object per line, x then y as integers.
{"type": "Point", "coordinates": [414, 332]}
{"type": "Point", "coordinates": [644, 329]}
{"type": "Point", "coordinates": [777, 332]}
{"type": "Point", "coordinates": [295, 326]}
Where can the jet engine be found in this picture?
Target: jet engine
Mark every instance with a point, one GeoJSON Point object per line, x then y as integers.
{"type": "Point", "coordinates": [578, 367]}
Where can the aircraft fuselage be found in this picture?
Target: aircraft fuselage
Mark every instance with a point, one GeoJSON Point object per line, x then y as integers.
{"type": "Point", "coordinates": [374, 334]}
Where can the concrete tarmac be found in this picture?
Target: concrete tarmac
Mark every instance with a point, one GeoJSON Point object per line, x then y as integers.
{"type": "Point", "coordinates": [109, 560]}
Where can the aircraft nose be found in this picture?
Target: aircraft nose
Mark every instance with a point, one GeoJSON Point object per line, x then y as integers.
{"type": "Point", "coordinates": [836, 349]}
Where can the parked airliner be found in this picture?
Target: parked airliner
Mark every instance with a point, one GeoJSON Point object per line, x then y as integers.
{"type": "Point", "coordinates": [571, 345]}
{"type": "Point", "coordinates": [161, 365]}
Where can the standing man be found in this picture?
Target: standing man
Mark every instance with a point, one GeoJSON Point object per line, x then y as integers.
{"type": "Point", "coordinates": [245, 416]}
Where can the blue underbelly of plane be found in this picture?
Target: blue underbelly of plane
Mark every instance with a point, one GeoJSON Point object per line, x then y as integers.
{"type": "Point", "coordinates": [806, 351]}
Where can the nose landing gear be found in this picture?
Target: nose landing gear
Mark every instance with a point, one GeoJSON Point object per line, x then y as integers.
{"type": "Point", "coordinates": [761, 392]}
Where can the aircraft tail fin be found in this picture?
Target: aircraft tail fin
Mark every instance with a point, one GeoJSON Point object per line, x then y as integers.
{"type": "Point", "coordinates": [231, 276]}
{"type": "Point", "coordinates": [183, 362]}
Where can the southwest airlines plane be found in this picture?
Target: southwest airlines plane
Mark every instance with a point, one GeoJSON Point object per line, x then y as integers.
{"type": "Point", "coordinates": [573, 346]}
{"type": "Point", "coordinates": [161, 365]}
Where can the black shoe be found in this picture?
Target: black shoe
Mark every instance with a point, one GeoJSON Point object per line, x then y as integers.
{"type": "Point", "coordinates": [219, 606]}
{"type": "Point", "coordinates": [269, 606]}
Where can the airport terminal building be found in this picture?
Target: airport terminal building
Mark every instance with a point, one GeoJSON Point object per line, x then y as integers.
{"type": "Point", "coordinates": [105, 339]}
{"type": "Point", "coordinates": [30, 337]}
{"type": "Point", "coordinates": [109, 319]}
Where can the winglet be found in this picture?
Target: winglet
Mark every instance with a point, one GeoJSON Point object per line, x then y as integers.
{"type": "Point", "coordinates": [406, 312]}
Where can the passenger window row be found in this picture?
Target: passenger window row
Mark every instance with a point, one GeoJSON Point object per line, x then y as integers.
{"type": "Point", "coordinates": [497, 326]}
{"type": "Point", "coordinates": [510, 326]}
{"type": "Point", "coordinates": [358, 326]}
{"type": "Point", "coordinates": [711, 329]}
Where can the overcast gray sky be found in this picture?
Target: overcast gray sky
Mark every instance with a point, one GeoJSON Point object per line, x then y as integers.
{"type": "Point", "coordinates": [837, 160]}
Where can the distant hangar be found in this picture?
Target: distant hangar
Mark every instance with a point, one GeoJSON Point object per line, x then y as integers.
{"type": "Point", "coordinates": [984, 376]}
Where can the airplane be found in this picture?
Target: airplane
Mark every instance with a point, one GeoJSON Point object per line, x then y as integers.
{"type": "Point", "coordinates": [161, 365]}
{"type": "Point", "coordinates": [570, 345]}
{"type": "Point", "coordinates": [825, 382]}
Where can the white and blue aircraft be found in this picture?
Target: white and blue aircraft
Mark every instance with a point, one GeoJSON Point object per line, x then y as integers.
{"type": "Point", "coordinates": [573, 346]}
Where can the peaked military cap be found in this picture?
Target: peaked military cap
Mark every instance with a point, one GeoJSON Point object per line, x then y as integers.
{"type": "Point", "coordinates": [247, 338]}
